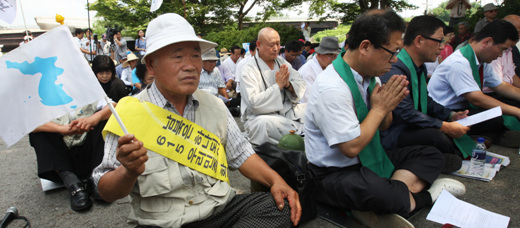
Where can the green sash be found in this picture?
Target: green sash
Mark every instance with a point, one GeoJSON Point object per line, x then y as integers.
{"type": "Point", "coordinates": [464, 143]}
{"type": "Point", "coordinates": [373, 156]}
{"type": "Point", "coordinates": [510, 122]}
{"type": "Point", "coordinates": [416, 89]}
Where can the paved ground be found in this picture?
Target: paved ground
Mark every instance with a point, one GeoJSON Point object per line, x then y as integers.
{"type": "Point", "coordinates": [20, 187]}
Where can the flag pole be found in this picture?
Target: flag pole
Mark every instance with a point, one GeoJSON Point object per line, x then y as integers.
{"type": "Point", "coordinates": [23, 17]}
{"type": "Point", "coordinates": [114, 112]}
{"type": "Point", "coordinates": [91, 35]}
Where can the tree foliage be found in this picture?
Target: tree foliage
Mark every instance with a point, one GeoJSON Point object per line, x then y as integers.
{"type": "Point", "coordinates": [477, 12]}
{"type": "Point", "coordinates": [225, 39]}
{"type": "Point", "coordinates": [204, 15]}
{"type": "Point", "coordinates": [441, 12]}
{"type": "Point", "coordinates": [338, 32]}
{"type": "Point", "coordinates": [348, 11]}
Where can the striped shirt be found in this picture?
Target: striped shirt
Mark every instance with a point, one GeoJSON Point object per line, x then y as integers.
{"type": "Point", "coordinates": [238, 149]}
{"type": "Point", "coordinates": [211, 81]}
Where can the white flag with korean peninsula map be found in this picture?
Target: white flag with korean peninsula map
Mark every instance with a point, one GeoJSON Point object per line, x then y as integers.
{"type": "Point", "coordinates": [43, 80]}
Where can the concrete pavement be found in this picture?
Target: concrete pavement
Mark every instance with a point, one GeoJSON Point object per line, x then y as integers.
{"type": "Point", "coordinates": [20, 187]}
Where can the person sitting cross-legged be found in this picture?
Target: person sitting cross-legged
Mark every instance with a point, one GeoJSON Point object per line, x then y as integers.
{"type": "Point", "coordinates": [187, 186]}
{"type": "Point", "coordinates": [418, 119]}
{"type": "Point", "coordinates": [346, 108]}
{"type": "Point", "coordinates": [458, 81]}
{"type": "Point", "coordinates": [271, 90]}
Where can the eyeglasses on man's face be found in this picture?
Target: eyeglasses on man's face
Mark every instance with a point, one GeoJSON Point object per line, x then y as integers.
{"type": "Point", "coordinates": [441, 42]}
{"type": "Point", "coordinates": [394, 54]}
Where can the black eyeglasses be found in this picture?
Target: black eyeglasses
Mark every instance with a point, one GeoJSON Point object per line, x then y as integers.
{"type": "Point", "coordinates": [394, 54]}
{"type": "Point", "coordinates": [436, 40]}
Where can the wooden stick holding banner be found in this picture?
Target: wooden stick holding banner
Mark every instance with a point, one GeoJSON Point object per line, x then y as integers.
{"type": "Point", "coordinates": [114, 112]}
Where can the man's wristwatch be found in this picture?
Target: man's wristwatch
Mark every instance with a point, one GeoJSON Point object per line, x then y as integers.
{"type": "Point", "coordinates": [451, 116]}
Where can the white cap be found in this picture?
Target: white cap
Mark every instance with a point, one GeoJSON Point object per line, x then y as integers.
{"type": "Point", "coordinates": [171, 28]}
{"type": "Point", "coordinates": [210, 55]}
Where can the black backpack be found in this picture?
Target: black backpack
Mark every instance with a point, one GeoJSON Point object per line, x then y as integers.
{"type": "Point", "coordinates": [292, 166]}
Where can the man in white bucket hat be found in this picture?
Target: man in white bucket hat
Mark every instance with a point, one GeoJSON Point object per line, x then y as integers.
{"type": "Point", "coordinates": [170, 184]}
{"type": "Point", "coordinates": [210, 79]}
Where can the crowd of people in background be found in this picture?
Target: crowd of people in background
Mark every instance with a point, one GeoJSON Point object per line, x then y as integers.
{"type": "Point", "coordinates": [377, 150]}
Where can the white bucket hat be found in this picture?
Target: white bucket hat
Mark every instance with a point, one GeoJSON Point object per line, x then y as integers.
{"type": "Point", "coordinates": [210, 55]}
{"type": "Point", "coordinates": [171, 28]}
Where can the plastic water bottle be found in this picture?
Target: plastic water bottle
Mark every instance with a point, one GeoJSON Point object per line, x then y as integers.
{"type": "Point", "coordinates": [478, 158]}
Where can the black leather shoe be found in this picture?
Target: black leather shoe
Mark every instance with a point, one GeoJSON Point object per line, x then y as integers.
{"type": "Point", "coordinates": [79, 198]}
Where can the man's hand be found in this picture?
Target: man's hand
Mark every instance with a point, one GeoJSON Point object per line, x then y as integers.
{"type": "Point", "coordinates": [459, 115]}
{"type": "Point", "coordinates": [132, 155]}
{"type": "Point", "coordinates": [282, 77]}
{"type": "Point", "coordinates": [454, 129]}
{"type": "Point", "coordinates": [282, 191]}
{"type": "Point", "coordinates": [384, 99]}
{"type": "Point", "coordinates": [229, 84]}
{"type": "Point", "coordinates": [67, 130]}
{"type": "Point", "coordinates": [256, 169]}
{"type": "Point", "coordinates": [84, 124]}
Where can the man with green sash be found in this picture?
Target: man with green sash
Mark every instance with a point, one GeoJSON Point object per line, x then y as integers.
{"type": "Point", "coordinates": [457, 82]}
{"type": "Point", "coordinates": [418, 119]}
{"type": "Point", "coordinates": [347, 107]}
{"type": "Point", "coordinates": [174, 164]}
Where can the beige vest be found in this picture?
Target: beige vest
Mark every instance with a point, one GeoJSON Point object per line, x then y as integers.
{"type": "Point", "coordinates": [83, 112]}
{"type": "Point", "coordinates": [168, 194]}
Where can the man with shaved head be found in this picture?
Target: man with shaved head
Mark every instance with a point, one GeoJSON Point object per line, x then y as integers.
{"type": "Point", "coordinates": [271, 90]}
{"type": "Point", "coordinates": [189, 186]}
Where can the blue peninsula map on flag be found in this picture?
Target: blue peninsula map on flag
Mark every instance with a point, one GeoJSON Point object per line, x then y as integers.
{"type": "Point", "coordinates": [51, 94]}
{"type": "Point", "coordinates": [42, 82]}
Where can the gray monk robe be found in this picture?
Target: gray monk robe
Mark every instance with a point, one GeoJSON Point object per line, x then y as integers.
{"type": "Point", "coordinates": [269, 112]}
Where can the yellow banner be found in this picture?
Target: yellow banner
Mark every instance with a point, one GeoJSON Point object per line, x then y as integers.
{"type": "Point", "coordinates": [172, 136]}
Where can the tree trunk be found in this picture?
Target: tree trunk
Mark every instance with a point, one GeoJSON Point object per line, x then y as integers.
{"type": "Point", "coordinates": [374, 4]}
{"type": "Point", "coordinates": [240, 22]}
{"type": "Point", "coordinates": [363, 5]}
{"type": "Point", "coordinates": [384, 4]}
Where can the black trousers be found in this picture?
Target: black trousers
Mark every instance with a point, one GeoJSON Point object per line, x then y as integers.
{"type": "Point", "coordinates": [428, 137]}
{"type": "Point", "coordinates": [358, 188]}
{"type": "Point", "coordinates": [52, 154]}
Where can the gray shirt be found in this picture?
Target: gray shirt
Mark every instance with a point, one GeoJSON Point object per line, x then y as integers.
{"type": "Point", "coordinates": [120, 51]}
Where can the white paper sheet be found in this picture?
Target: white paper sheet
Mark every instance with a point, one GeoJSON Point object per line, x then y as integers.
{"type": "Point", "coordinates": [48, 185]}
{"type": "Point", "coordinates": [449, 209]}
{"type": "Point", "coordinates": [481, 117]}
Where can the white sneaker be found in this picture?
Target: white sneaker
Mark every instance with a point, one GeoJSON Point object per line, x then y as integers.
{"type": "Point", "coordinates": [455, 187]}
{"type": "Point", "coordinates": [372, 220]}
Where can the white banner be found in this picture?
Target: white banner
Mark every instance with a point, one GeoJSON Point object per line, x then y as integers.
{"type": "Point", "coordinates": [156, 4]}
{"type": "Point", "coordinates": [43, 80]}
{"type": "Point", "coordinates": [8, 10]}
